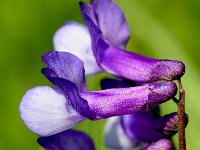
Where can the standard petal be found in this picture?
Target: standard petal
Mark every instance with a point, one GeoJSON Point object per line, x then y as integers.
{"type": "Point", "coordinates": [67, 140]}
{"type": "Point", "coordinates": [95, 32]}
{"type": "Point", "coordinates": [74, 37]}
{"type": "Point", "coordinates": [89, 10]}
{"type": "Point", "coordinates": [111, 22]}
{"type": "Point", "coordinates": [46, 111]}
{"type": "Point", "coordinates": [114, 136]}
{"type": "Point", "coordinates": [67, 66]}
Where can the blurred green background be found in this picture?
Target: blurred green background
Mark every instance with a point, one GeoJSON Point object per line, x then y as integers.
{"type": "Point", "coordinates": [162, 29]}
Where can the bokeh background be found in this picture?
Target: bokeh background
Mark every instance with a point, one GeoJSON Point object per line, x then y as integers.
{"type": "Point", "coordinates": [162, 29]}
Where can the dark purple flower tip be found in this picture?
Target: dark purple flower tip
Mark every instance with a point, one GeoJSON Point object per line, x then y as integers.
{"type": "Point", "coordinates": [141, 126]}
{"type": "Point", "coordinates": [162, 90]}
{"type": "Point", "coordinates": [169, 70]}
{"type": "Point", "coordinates": [170, 123]}
{"type": "Point", "coordinates": [67, 140]}
{"type": "Point", "coordinates": [163, 144]}
{"type": "Point", "coordinates": [147, 126]}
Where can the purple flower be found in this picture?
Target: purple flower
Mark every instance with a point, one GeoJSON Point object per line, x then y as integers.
{"type": "Point", "coordinates": [135, 129]}
{"type": "Point", "coordinates": [47, 111]}
{"type": "Point", "coordinates": [67, 140]}
{"type": "Point", "coordinates": [108, 39]}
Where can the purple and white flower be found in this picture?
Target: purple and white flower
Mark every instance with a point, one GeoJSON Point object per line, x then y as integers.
{"type": "Point", "coordinates": [109, 35]}
{"type": "Point", "coordinates": [47, 111]}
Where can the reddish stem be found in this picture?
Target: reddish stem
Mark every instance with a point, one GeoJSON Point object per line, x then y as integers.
{"type": "Point", "coordinates": [181, 117]}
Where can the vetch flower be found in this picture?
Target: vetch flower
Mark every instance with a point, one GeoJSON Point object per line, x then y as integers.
{"type": "Point", "coordinates": [117, 61]}
{"type": "Point", "coordinates": [47, 111]}
{"type": "Point", "coordinates": [67, 140]}
{"type": "Point", "coordinates": [133, 130]}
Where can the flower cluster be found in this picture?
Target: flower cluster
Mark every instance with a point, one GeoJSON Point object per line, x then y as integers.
{"type": "Point", "coordinates": [131, 102]}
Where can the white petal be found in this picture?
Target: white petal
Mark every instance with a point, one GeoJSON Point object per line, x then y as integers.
{"type": "Point", "coordinates": [74, 37]}
{"type": "Point", "coordinates": [115, 136]}
{"type": "Point", "coordinates": [45, 111]}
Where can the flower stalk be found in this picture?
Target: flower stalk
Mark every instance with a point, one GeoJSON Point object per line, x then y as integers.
{"type": "Point", "coordinates": [181, 117]}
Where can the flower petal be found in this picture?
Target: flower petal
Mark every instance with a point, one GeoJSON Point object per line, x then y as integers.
{"type": "Point", "coordinates": [130, 65]}
{"type": "Point", "coordinates": [46, 111]}
{"type": "Point", "coordinates": [67, 140]}
{"type": "Point", "coordinates": [95, 32]}
{"type": "Point", "coordinates": [74, 37]}
{"type": "Point", "coordinates": [70, 91]}
{"type": "Point", "coordinates": [122, 101]}
{"type": "Point", "coordinates": [67, 66]}
{"type": "Point", "coordinates": [111, 22]}
{"type": "Point", "coordinates": [147, 127]}
{"type": "Point", "coordinates": [163, 144]}
{"type": "Point", "coordinates": [141, 126]}
{"type": "Point", "coordinates": [114, 136]}
{"type": "Point", "coordinates": [89, 10]}
{"type": "Point", "coordinates": [136, 67]}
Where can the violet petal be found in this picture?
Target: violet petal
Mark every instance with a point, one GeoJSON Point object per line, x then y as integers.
{"type": "Point", "coordinates": [121, 101]}
{"type": "Point", "coordinates": [67, 140]}
{"type": "Point", "coordinates": [74, 37]}
{"type": "Point", "coordinates": [66, 66]}
{"type": "Point", "coordinates": [111, 22]}
{"type": "Point", "coordinates": [46, 111]}
{"type": "Point", "coordinates": [130, 65]}
{"type": "Point", "coordinates": [95, 33]}
{"type": "Point", "coordinates": [114, 102]}
{"type": "Point", "coordinates": [71, 92]}
{"type": "Point", "coordinates": [163, 144]}
{"type": "Point", "coordinates": [89, 10]}
{"type": "Point", "coordinates": [146, 126]}
{"type": "Point", "coordinates": [136, 67]}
